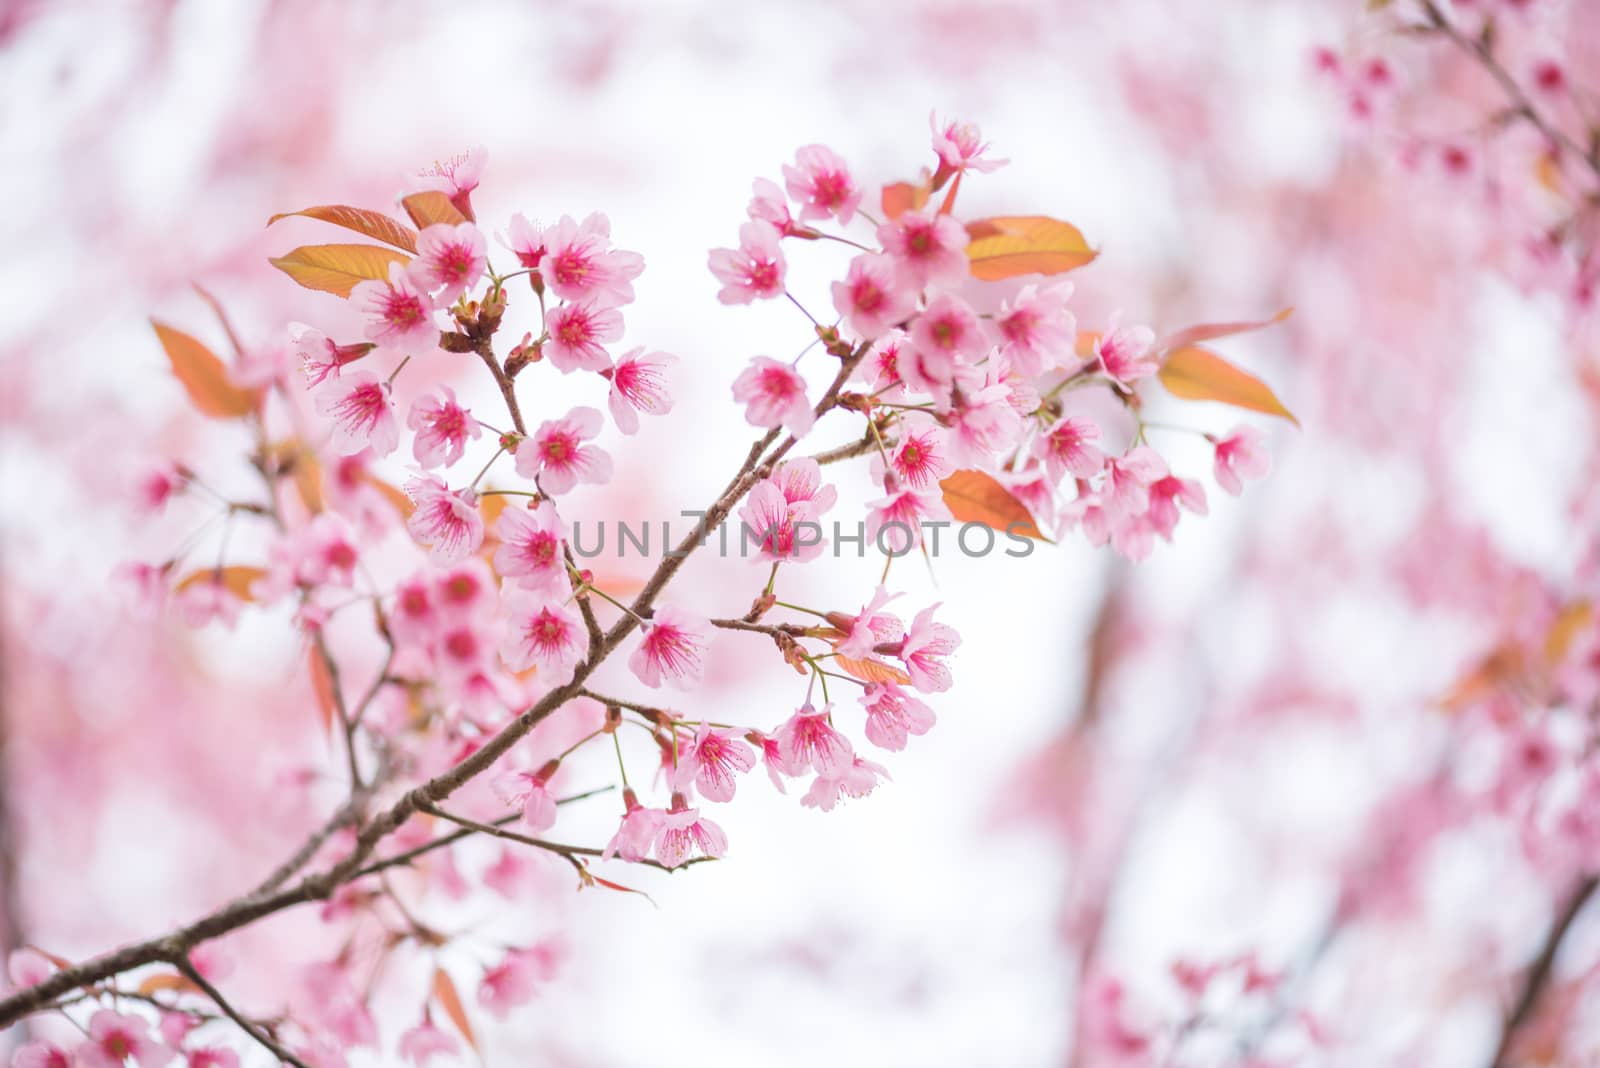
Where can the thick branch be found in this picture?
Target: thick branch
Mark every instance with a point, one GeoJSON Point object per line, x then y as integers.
{"type": "Point", "coordinates": [1538, 976]}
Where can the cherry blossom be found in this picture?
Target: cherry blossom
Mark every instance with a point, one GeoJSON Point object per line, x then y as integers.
{"type": "Point", "coordinates": [808, 740]}
{"type": "Point", "coordinates": [819, 180]}
{"type": "Point", "coordinates": [672, 649]}
{"type": "Point", "coordinates": [919, 458]}
{"type": "Point", "coordinates": [579, 334]}
{"type": "Point", "coordinates": [558, 456]}
{"type": "Point", "coordinates": [399, 315]}
{"type": "Point", "coordinates": [543, 633]}
{"type": "Point", "coordinates": [449, 259]}
{"type": "Point", "coordinates": [637, 831]}
{"type": "Point", "coordinates": [1126, 353]}
{"type": "Point", "coordinates": [774, 395]}
{"type": "Point", "coordinates": [456, 178]}
{"type": "Point", "coordinates": [710, 761]}
{"type": "Point", "coordinates": [1037, 331]}
{"type": "Point", "coordinates": [638, 384]}
{"type": "Point", "coordinates": [930, 249]}
{"type": "Point", "coordinates": [870, 627]}
{"type": "Point", "coordinates": [529, 552]}
{"type": "Point", "coordinates": [425, 1041]}
{"type": "Point", "coordinates": [443, 428]}
{"type": "Point", "coordinates": [857, 777]}
{"type": "Point", "coordinates": [579, 264]}
{"type": "Point", "coordinates": [683, 832]}
{"type": "Point", "coordinates": [1065, 449]}
{"type": "Point", "coordinates": [1238, 456]}
{"type": "Point", "coordinates": [893, 714]}
{"type": "Point", "coordinates": [362, 411]}
{"type": "Point", "coordinates": [926, 645]}
{"type": "Point", "coordinates": [530, 792]}
{"type": "Point", "coordinates": [115, 1037]}
{"type": "Point", "coordinates": [872, 298]}
{"type": "Point", "coordinates": [754, 270]}
{"type": "Point", "coordinates": [960, 147]}
{"type": "Point", "coordinates": [446, 520]}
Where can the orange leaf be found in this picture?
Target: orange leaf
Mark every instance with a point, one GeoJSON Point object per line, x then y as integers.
{"type": "Point", "coordinates": [901, 197]}
{"type": "Point", "coordinates": [588, 878]}
{"type": "Point", "coordinates": [1194, 373]}
{"type": "Point", "coordinates": [338, 268]}
{"type": "Point", "coordinates": [238, 579]}
{"type": "Point", "coordinates": [869, 670]}
{"type": "Point", "coordinates": [974, 497]}
{"type": "Point", "coordinates": [203, 376]}
{"type": "Point", "coordinates": [373, 224]}
{"type": "Point", "coordinates": [431, 207]}
{"type": "Point", "coordinates": [1212, 331]}
{"type": "Point", "coordinates": [167, 981]}
{"type": "Point", "coordinates": [222, 317]}
{"type": "Point", "coordinates": [322, 687]}
{"type": "Point", "coordinates": [1571, 621]}
{"type": "Point", "coordinates": [1008, 246]}
{"type": "Point", "coordinates": [394, 496]}
{"type": "Point", "coordinates": [444, 992]}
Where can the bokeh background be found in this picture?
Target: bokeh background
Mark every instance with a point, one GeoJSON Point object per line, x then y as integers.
{"type": "Point", "coordinates": [1182, 759]}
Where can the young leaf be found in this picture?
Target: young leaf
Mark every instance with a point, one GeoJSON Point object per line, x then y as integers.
{"type": "Point", "coordinates": [373, 224]}
{"type": "Point", "coordinates": [1012, 245]}
{"type": "Point", "coordinates": [322, 687]}
{"type": "Point", "coordinates": [431, 207]}
{"type": "Point", "coordinates": [394, 496]}
{"type": "Point", "coordinates": [338, 268]}
{"type": "Point", "coordinates": [901, 197]}
{"type": "Point", "coordinates": [974, 497]}
{"type": "Point", "coordinates": [167, 981]}
{"type": "Point", "coordinates": [203, 375]}
{"type": "Point", "coordinates": [870, 670]}
{"type": "Point", "coordinates": [1212, 331]}
{"type": "Point", "coordinates": [237, 578]}
{"type": "Point", "coordinates": [444, 992]}
{"type": "Point", "coordinates": [1194, 373]}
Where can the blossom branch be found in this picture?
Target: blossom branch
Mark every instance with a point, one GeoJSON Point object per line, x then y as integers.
{"type": "Point", "coordinates": [192, 973]}
{"type": "Point", "coordinates": [1538, 976]}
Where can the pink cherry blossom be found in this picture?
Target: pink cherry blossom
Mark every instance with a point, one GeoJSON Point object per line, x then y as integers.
{"type": "Point", "coordinates": [425, 1041]}
{"type": "Point", "coordinates": [157, 485]}
{"type": "Point", "coordinates": [774, 395]}
{"type": "Point", "coordinates": [769, 205]}
{"type": "Point", "coordinates": [1238, 456]}
{"type": "Point", "coordinates": [456, 178]}
{"type": "Point", "coordinates": [893, 714]}
{"type": "Point", "coordinates": [399, 315]}
{"type": "Point", "coordinates": [557, 456]}
{"type": "Point", "coordinates": [820, 182]}
{"type": "Point", "coordinates": [960, 147]}
{"type": "Point", "coordinates": [362, 411]}
{"type": "Point", "coordinates": [27, 966]}
{"type": "Point", "coordinates": [949, 327]}
{"type": "Point", "coordinates": [982, 424]}
{"type": "Point", "coordinates": [894, 522]}
{"type": "Point", "coordinates": [930, 249]}
{"type": "Point", "coordinates": [525, 240]}
{"type": "Point", "coordinates": [1037, 331]}
{"type": "Point", "coordinates": [779, 530]}
{"type": "Point", "coordinates": [529, 791]}
{"type": "Point", "coordinates": [872, 298]}
{"type": "Point", "coordinates": [1165, 496]}
{"type": "Point", "coordinates": [42, 1055]}
{"type": "Point", "coordinates": [514, 980]}
{"type": "Point", "coordinates": [808, 740]}
{"type": "Point", "coordinates": [710, 761]}
{"type": "Point", "coordinates": [926, 645]}
{"type": "Point", "coordinates": [881, 367]}
{"type": "Point", "coordinates": [1066, 450]}
{"type": "Point", "coordinates": [443, 428]}
{"type": "Point", "coordinates": [672, 649]}
{"type": "Point", "coordinates": [318, 355]}
{"type": "Point", "coordinates": [636, 832]}
{"type": "Point", "coordinates": [857, 777]}
{"type": "Point", "coordinates": [446, 520]}
{"type": "Point", "coordinates": [543, 632]}
{"type": "Point", "coordinates": [206, 601]}
{"type": "Point", "coordinates": [870, 627]}
{"type": "Point", "coordinates": [753, 271]}
{"type": "Point", "coordinates": [579, 334]}
{"type": "Point", "coordinates": [212, 1057]}
{"type": "Point", "coordinates": [800, 482]}
{"type": "Point", "coordinates": [638, 384]}
{"type": "Point", "coordinates": [449, 259]}
{"type": "Point", "coordinates": [529, 552]}
{"type": "Point", "coordinates": [465, 592]}
{"type": "Point", "coordinates": [580, 265]}
{"type": "Point", "coordinates": [115, 1037]}
{"type": "Point", "coordinates": [919, 458]}
{"type": "Point", "coordinates": [1126, 490]}
{"type": "Point", "coordinates": [1126, 353]}
{"type": "Point", "coordinates": [683, 832]}
{"type": "Point", "coordinates": [771, 757]}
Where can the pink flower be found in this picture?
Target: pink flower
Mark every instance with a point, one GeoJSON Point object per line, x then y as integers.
{"type": "Point", "coordinates": [780, 515]}
{"type": "Point", "coordinates": [579, 263]}
{"type": "Point", "coordinates": [638, 384]}
{"type": "Point", "coordinates": [1126, 490]}
{"type": "Point", "coordinates": [157, 485]}
{"type": "Point", "coordinates": [768, 205]}
{"type": "Point", "coordinates": [578, 335]}
{"type": "Point", "coordinates": [530, 547]}
{"type": "Point", "coordinates": [114, 1037]}
{"type": "Point", "coordinates": [771, 758]}
{"type": "Point", "coordinates": [424, 1042]}
{"type": "Point", "coordinates": [983, 424]}
{"type": "Point", "coordinates": [894, 522]}
{"type": "Point", "coordinates": [207, 600]}
{"type": "Point", "coordinates": [774, 395]}
{"type": "Point", "coordinates": [525, 240]}
{"type": "Point", "coordinates": [710, 761]}
{"type": "Point", "coordinates": [542, 632]}
{"type": "Point", "coordinates": [27, 967]}
{"type": "Point", "coordinates": [893, 714]}
{"type": "Point", "coordinates": [1065, 449]}
{"type": "Point", "coordinates": [449, 259]}
{"type": "Point", "coordinates": [362, 412]}
{"type": "Point", "coordinates": [869, 628]}
{"type": "Point", "coordinates": [1239, 456]}
{"type": "Point", "coordinates": [949, 328]}
{"type": "Point", "coordinates": [856, 778]}
{"type": "Point", "coordinates": [931, 249]}
{"type": "Point", "coordinates": [42, 1055]}
{"type": "Point", "coordinates": [672, 649]}
{"type": "Point", "coordinates": [872, 298]}
{"type": "Point", "coordinates": [919, 459]}
{"type": "Point", "coordinates": [754, 270]}
{"type": "Point", "coordinates": [456, 178]}
{"type": "Point", "coordinates": [820, 181]}
{"type": "Point", "coordinates": [1165, 496]}
{"type": "Point", "coordinates": [213, 1057]}
{"type": "Point", "coordinates": [800, 482]}
{"type": "Point", "coordinates": [512, 982]}
{"type": "Point", "coordinates": [807, 740]}
{"type": "Point", "coordinates": [319, 357]}
{"type": "Point", "coordinates": [960, 148]}
{"type": "Point", "coordinates": [1126, 353]}
{"type": "Point", "coordinates": [529, 791]}
{"type": "Point", "coordinates": [636, 832]}
{"type": "Point", "coordinates": [443, 428]}
{"type": "Point", "coordinates": [558, 457]}
{"type": "Point", "coordinates": [927, 644]}
{"type": "Point", "coordinates": [683, 831]}
{"type": "Point", "coordinates": [881, 367]}
{"type": "Point", "coordinates": [1037, 331]}
{"type": "Point", "coordinates": [446, 520]}
{"type": "Point", "coordinates": [465, 592]}
{"type": "Point", "coordinates": [399, 315]}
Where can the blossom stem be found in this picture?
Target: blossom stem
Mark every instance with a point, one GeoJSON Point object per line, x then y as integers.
{"type": "Point", "coordinates": [190, 972]}
{"type": "Point", "coordinates": [401, 366]}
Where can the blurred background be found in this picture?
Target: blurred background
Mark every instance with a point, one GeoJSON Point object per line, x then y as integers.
{"type": "Point", "coordinates": [1232, 748]}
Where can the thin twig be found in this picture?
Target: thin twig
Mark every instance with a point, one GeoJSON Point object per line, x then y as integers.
{"type": "Point", "coordinates": [192, 973]}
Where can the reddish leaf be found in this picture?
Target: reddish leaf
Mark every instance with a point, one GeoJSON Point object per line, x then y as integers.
{"type": "Point", "coordinates": [373, 224]}
{"type": "Point", "coordinates": [1194, 373]}
{"type": "Point", "coordinates": [974, 497]}
{"type": "Point", "coordinates": [429, 208]}
{"type": "Point", "coordinates": [1570, 622]}
{"type": "Point", "coordinates": [1212, 331]}
{"type": "Point", "coordinates": [203, 375]}
{"type": "Point", "coordinates": [238, 579]}
{"type": "Point", "coordinates": [901, 197]}
{"type": "Point", "coordinates": [322, 687]}
{"type": "Point", "coordinates": [167, 981]}
{"type": "Point", "coordinates": [588, 878]}
{"type": "Point", "coordinates": [222, 317]}
{"type": "Point", "coordinates": [1008, 246]}
{"type": "Point", "coordinates": [870, 670]}
{"type": "Point", "coordinates": [338, 268]}
{"type": "Point", "coordinates": [444, 992]}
